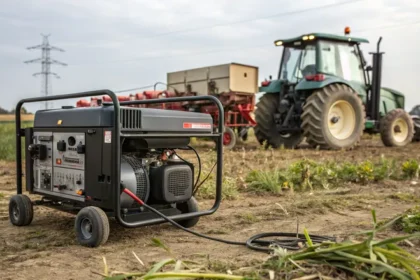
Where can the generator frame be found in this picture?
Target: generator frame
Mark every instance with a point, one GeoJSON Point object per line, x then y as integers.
{"type": "Point", "coordinates": [116, 151]}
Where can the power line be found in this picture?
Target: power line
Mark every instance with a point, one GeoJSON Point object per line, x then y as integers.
{"type": "Point", "coordinates": [131, 89]}
{"type": "Point", "coordinates": [46, 62]}
{"type": "Point", "coordinates": [246, 20]}
{"type": "Point", "coordinates": [229, 49]}
{"type": "Point", "coordinates": [256, 46]}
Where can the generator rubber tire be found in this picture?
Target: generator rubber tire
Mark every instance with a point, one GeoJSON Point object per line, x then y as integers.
{"type": "Point", "coordinates": [189, 206]}
{"type": "Point", "coordinates": [396, 128]}
{"type": "Point", "coordinates": [265, 129]}
{"type": "Point", "coordinates": [92, 226]}
{"type": "Point", "coordinates": [21, 212]}
{"type": "Point", "coordinates": [333, 118]}
{"type": "Point", "coordinates": [229, 138]}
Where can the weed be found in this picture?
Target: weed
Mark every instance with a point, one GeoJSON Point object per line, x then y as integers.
{"type": "Point", "coordinates": [410, 169]}
{"type": "Point", "coordinates": [309, 175]}
{"type": "Point", "coordinates": [2, 195]}
{"type": "Point", "coordinates": [266, 181]}
{"type": "Point", "coordinates": [248, 218]}
{"type": "Point", "coordinates": [208, 189]}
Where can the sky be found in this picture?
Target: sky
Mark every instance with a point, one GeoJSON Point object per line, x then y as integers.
{"type": "Point", "coordinates": [125, 44]}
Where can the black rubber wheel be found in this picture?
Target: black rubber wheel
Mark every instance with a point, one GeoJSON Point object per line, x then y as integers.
{"type": "Point", "coordinates": [188, 207]}
{"type": "Point", "coordinates": [229, 138]}
{"type": "Point", "coordinates": [333, 118]}
{"type": "Point", "coordinates": [21, 210]}
{"type": "Point", "coordinates": [416, 122]}
{"type": "Point", "coordinates": [266, 131]}
{"type": "Point", "coordinates": [397, 128]}
{"type": "Point", "coordinates": [92, 227]}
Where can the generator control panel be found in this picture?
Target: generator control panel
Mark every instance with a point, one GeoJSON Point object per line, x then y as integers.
{"type": "Point", "coordinates": [61, 170]}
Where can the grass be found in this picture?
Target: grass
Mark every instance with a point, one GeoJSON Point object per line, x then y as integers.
{"type": "Point", "coordinates": [8, 140]}
{"type": "Point", "coordinates": [307, 174]}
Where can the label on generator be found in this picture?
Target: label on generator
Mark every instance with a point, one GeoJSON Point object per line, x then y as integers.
{"type": "Point", "coordinates": [107, 137]}
{"type": "Point", "coordinates": [197, 125]}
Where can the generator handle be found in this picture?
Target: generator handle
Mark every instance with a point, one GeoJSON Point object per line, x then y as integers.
{"type": "Point", "coordinates": [219, 167]}
{"type": "Point", "coordinates": [19, 133]}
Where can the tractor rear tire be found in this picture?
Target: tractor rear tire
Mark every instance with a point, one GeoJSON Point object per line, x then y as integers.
{"type": "Point", "coordinates": [333, 118]}
{"type": "Point", "coordinates": [397, 128]}
{"type": "Point", "coordinates": [266, 131]}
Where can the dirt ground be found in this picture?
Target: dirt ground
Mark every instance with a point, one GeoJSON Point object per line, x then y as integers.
{"type": "Point", "coordinates": [47, 249]}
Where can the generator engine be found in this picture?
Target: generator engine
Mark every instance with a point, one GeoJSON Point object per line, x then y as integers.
{"type": "Point", "coordinates": [70, 151]}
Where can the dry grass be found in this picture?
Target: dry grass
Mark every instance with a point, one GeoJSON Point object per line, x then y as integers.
{"type": "Point", "coordinates": [11, 117]}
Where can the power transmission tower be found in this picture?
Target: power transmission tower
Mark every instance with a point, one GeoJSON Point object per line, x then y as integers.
{"type": "Point", "coordinates": [46, 62]}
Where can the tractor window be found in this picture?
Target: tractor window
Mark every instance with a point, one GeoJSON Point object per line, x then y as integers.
{"type": "Point", "coordinates": [297, 63]}
{"type": "Point", "coordinates": [350, 63]}
{"type": "Point", "coordinates": [342, 60]}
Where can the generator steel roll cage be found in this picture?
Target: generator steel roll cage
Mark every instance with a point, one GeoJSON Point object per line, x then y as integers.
{"type": "Point", "coordinates": [116, 148]}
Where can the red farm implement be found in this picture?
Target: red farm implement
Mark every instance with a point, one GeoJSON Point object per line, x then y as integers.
{"type": "Point", "coordinates": [233, 84]}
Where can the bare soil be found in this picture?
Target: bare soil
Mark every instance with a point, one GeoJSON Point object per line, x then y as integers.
{"type": "Point", "coordinates": [47, 249]}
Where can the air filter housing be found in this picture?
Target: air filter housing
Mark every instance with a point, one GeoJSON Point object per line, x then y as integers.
{"type": "Point", "coordinates": [172, 183]}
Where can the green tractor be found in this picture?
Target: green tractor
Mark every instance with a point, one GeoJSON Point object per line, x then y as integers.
{"type": "Point", "coordinates": [325, 92]}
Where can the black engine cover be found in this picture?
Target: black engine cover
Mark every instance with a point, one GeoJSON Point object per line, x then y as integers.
{"type": "Point", "coordinates": [171, 183]}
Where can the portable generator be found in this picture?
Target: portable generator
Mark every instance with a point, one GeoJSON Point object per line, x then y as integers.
{"type": "Point", "coordinates": [86, 160]}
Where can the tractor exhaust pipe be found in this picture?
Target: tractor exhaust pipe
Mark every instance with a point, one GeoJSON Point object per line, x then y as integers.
{"type": "Point", "coordinates": [375, 89]}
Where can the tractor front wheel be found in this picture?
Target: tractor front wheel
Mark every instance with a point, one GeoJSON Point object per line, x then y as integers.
{"type": "Point", "coordinates": [333, 118]}
{"type": "Point", "coordinates": [266, 130]}
{"type": "Point", "coordinates": [397, 128]}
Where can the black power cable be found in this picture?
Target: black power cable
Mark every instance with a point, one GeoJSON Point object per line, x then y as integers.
{"type": "Point", "coordinates": [256, 242]}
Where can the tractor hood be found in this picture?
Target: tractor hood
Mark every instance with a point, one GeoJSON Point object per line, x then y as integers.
{"type": "Point", "coordinates": [395, 95]}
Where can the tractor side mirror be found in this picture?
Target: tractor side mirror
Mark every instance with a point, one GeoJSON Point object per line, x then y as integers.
{"type": "Point", "coordinates": [270, 77]}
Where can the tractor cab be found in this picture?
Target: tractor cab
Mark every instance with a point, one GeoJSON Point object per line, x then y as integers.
{"type": "Point", "coordinates": [318, 56]}
{"type": "Point", "coordinates": [325, 93]}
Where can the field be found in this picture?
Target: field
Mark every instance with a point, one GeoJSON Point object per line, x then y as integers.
{"type": "Point", "coordinates": [326, 192]}
{"type": "Point", "coordinates": [11, 117]}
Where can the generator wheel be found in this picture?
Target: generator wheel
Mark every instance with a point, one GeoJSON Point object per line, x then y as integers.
{"type": "Point", "coordinates": [21, 210]}
{"type": "Point", "coordinates": [92, 227]}
{"type": "Point", "coordinates": [229, 138]}
{"type": "Point", "coordinates": [265, 129]}
{"type": "Point", "coordinates": [397, 128]}
{"type": "Point", "coordinates": [333, 118]}
{"type": "Point", "coordinates": [188, 207]}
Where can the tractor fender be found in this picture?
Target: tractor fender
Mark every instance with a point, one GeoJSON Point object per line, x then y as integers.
{"type": "Point", "coordinates": [305, 85]}
{"type": "Point", "coordinates": [273, 86]}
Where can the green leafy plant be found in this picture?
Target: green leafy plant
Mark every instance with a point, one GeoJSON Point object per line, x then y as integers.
{"type": "Point", "coordinates": [410, 169]}
{"type": "Point", "coordinates": [367, 259]}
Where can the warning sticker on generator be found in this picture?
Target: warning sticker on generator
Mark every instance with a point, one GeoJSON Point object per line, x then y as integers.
{"type": "Point", "coordinates": [107, 137]}
{"type": "Point", "coordinates": [197, 125]}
